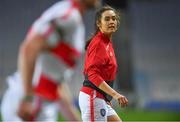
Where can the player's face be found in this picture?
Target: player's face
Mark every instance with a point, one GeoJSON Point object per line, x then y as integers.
{"type": "Point", "coordinates": [92, 3]}
{"type": "Point", "coordinates": [108, 22]}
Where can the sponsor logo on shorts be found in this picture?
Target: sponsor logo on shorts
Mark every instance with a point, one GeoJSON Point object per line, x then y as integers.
{"type": "Point", "coordinates": [103, 112]}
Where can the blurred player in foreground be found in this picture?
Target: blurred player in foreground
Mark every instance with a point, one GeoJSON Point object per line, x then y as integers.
{"type": "Point", "coordinates": [100, 70]}
{"type": "Point", "coordinates": [47, 58]}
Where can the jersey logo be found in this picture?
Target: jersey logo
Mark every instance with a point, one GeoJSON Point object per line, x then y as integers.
{"type": "Point", "coordinates": [111, 54]}
{"type": "Point", "coordinates": [103, 112]}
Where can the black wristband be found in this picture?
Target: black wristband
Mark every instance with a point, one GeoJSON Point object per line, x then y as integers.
{"type": "Point", "coordinates": [28, 98]}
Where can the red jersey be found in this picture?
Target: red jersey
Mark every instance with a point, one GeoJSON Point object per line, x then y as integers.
{"type": "Point", "coordinates": [100, 61]}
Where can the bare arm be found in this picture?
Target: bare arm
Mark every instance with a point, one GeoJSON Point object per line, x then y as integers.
{"type": "Point", "coordinates": [28, 53]}
{"type": "Point", "coordinates": [120, 98]}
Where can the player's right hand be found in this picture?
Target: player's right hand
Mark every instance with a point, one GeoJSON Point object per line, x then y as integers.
{"type": "Point", "coordinates": [25, 111]}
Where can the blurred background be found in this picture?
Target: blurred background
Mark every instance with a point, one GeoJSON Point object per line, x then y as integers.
{"type": "Point", "coordinates": [147, 46]}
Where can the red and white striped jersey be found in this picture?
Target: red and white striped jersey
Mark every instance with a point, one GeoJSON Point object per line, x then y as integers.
{"type": "Point", "coordinates": [64, 30]}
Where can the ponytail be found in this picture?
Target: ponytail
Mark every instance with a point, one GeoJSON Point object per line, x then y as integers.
{"type": "Point", "coordinates": [89, 40]}
{"type": "Point", "coordinates": [87, 43]}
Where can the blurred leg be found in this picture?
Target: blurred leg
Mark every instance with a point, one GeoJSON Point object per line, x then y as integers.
{"type": "Point", "coordinates": [114, 118]}
{"type": "Point", "coordinates": [112, 115]}
{"type": "Point", "coordinates": [68, 110]}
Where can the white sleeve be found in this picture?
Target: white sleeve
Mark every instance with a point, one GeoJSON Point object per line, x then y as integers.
{"type": "Point", "coordinates": [46, 29]}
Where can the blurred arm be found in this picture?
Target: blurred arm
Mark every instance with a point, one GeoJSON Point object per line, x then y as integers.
{"type": "Point", "coordinates": [28, 53]}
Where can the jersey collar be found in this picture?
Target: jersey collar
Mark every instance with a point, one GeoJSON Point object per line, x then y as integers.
{"type": "Point", "coordinates": [104, 37]}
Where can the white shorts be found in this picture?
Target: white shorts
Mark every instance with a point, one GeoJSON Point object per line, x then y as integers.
{"type": "Point", "coordinates": [12, 98]}
{"type": "Point", "coordinates": [9, 106]}
{"type": "Point", "coordinates": [94, 108]}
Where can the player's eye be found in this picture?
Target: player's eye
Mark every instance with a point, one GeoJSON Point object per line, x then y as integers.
{"type": "Point", "coordinates": [107, 18]}
{"type": "Point", "coordinates": [113, 18]}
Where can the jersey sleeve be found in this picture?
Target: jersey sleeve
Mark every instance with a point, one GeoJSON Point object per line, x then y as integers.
{"type": "Point", "coordinates": [79, 38]}
{"type": "Point", "coordinates": [46, 29]}
{"type": "Point", "coordinates": [45, 25]}
{"type": "Point", "coordinates": [96, 61]}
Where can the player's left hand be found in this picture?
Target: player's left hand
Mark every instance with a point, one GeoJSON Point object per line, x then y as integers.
{"type": "Point", "coordinates": [122, 101]}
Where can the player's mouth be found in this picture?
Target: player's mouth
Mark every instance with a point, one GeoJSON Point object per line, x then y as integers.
{"type": "Point", "coordinates": [111, 26]}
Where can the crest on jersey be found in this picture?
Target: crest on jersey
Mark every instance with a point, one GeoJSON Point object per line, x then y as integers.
{"type": "Point", "coordinates": [103, 112]}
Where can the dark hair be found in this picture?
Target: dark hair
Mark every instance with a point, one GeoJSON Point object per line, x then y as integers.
{"type": "Point", "coordinates": [98, 16]}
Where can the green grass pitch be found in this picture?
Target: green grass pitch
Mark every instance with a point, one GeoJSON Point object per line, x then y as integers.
{"type": "Point", "coordinates": [143, 115]}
